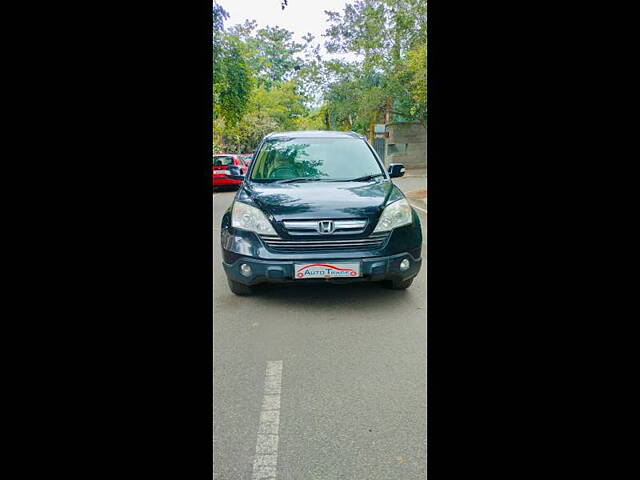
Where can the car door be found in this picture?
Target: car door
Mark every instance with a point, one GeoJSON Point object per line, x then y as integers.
{"type": "Point", "coordinates": [243, 165]}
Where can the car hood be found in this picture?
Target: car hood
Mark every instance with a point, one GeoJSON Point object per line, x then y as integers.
{"type": "Point", "coordinates": [316, 200]}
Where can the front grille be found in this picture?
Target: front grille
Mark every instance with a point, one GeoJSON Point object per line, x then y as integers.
{"type": "Point", "coordinates": [277, 243]}
{"type": "Point", "coordinates": [306, 227]}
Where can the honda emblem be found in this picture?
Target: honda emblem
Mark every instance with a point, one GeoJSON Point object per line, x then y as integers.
{"type": "Point", "coordinates": [326, 226]}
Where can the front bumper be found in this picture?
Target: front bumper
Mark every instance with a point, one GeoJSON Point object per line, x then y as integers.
{"type": "Point", "coordinates": [372, 269]}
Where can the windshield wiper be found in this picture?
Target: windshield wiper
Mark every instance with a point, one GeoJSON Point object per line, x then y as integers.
{"type": "Point", "coordinates": [365, 178]}
{"type": "Point", "coordinates": [318, 179]}
{"type": "Point", "coordinates": [299, 179]}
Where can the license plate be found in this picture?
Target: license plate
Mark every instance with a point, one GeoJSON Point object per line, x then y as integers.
{"type": "Point", "coordinates": [221, 172]}
{"type": "Point", "coordinates": [326, 270]}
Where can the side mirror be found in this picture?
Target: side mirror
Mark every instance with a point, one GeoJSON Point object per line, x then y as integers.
{"type": "Point", "coordinates": [396, 170]}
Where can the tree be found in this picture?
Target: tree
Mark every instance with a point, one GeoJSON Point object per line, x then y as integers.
{"type": "Point", "coordinates": [277, 109]}
{"type": "Point", "coordinates": [417, 67]}
{"type": "Point", "coordinates": [231, 73]}
{"type": "Point", "coordinates": [272, 51]}
{"type": "Point", "coordinates": [266, 81]}
{"type": "Point", "coordinates": [219, 16]}
{"type": "Point", "coordinates": [314, 120]}
{"type": "Point", "coordinates": [260, 83]}
{"type": "Point", "coordinates": [275, 57]}
{"type": "Point", "coordinates": [382, 32]}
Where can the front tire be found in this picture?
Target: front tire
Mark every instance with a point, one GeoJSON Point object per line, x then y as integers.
{"type": "Point", "coordinates": [398, 284]}
{"type": "Point", "coordinates": [239, 288]}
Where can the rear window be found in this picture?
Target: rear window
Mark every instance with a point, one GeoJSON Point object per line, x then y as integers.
{"type": "Point", "coordinates": [319, 158]}
{"type": "Point", "coordinates": [221, 161]}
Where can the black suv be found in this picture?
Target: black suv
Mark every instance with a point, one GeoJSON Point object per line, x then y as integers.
{"type": "Point", "coordinates": [319, 206]}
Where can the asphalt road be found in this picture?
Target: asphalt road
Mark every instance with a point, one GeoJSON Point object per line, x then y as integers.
{"type": "Point", "coordinates": [344, 396]}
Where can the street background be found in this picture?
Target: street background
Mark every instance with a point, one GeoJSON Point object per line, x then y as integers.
{"type": "Point", "coordinates": [321, 381]}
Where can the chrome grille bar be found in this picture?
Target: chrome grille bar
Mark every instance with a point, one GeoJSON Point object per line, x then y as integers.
{"type": "Point", "coordinates": [280, 243]}
{"type": "Point", "coordinates": [301, 225]}
{"type": "Point", "coordinates": [313, 224]}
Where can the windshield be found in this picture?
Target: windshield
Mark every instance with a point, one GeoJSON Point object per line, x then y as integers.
{"type": "Point", "coordinates": [219, 161]}
{"type": "Point", "coordinates": [314, 158]}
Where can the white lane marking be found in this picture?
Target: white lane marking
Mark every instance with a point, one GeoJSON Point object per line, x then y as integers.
{"type": "Point", "coordinates": [265, 463]}
{"type": "Point", "coordinates": [271, 402]}
{"type": "Point", "coordinates": [272, 385]}
{"type": "Point", "coordinates": [419, 208]}
{"type": "Point", "coordinates": [274, 368]}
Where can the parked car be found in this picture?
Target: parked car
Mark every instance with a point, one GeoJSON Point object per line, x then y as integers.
{"type": "Point", "coordinates": [319, 206]}
{"type": "Point", "coordinates": [247, 157]}
{"type": "Point", "coordinates": [228, 170]}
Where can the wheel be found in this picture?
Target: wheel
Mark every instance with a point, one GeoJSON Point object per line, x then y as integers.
{"type": "Point", "coordinates": [239, 288]}
{"type": "Point", "coordinates": [398, 284]}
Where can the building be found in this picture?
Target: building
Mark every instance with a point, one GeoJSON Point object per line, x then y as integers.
{"type": "Point", "coordinates": [405, 143]}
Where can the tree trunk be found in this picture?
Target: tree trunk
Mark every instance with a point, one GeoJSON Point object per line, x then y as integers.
{"type": "Point", "coordinates": [387, 114]}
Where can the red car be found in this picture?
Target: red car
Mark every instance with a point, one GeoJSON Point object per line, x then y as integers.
{"type": "Point", "coordinates": [247, 157]}
{"type": "Point", "coordinates": [225, 165]}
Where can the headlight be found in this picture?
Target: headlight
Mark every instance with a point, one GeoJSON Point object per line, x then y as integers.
{"type": "Point", "coordinates": [250, 218]}
{"type": "Point", "coordinates": [396, 214]}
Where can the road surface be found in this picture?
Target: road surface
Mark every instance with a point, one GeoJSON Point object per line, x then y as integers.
{"type": "Point", "coordinates": [320, 381]}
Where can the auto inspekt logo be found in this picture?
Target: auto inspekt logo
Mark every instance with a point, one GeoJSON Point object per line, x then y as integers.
{"type": "Point", "coordinates": [323, 270]}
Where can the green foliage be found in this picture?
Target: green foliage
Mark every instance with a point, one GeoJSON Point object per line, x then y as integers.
{"type": "Point", "coordinates": [232, 84]}
{"type": "Point", "coordinates": [417, 67]}
{"type": "Point", "coordinates": [279, 85]}
{"type": "Point", "coordinates": [354, 98]}
{"type": "Point", "coordinates": [219, 16]}
{"type": "Point", "coordinates": [281, 103]}
{"type": "Point", "coordinates": [275, 59]}
{"type": "Point", "coordinates": [231, 74]}
{"type": "Point", "coordinates": [314, 120]}
{"type": "Point", "coordinates": [277, 109]}
{"type": "Point", "coordinates": [265, 81]}
{"type": "Point", "coordinates": [359, 30]}
{"type": "Point", "coordinates": [271, 52]}
{"type": "Point", "coordinates": [387, 80]}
